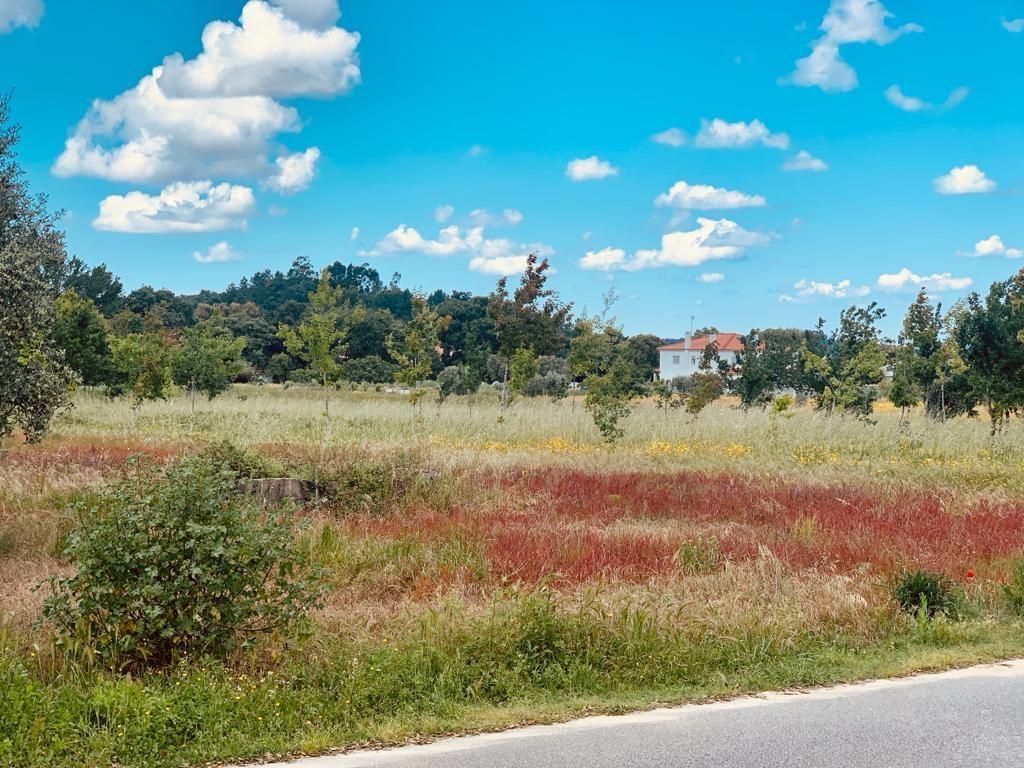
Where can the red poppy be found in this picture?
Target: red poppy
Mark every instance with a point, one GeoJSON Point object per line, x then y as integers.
{"type": "Point", "coordinates": [970, 573]}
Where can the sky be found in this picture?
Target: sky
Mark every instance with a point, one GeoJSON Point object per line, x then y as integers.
{"type": "Point", "coordinates": [746, 164]}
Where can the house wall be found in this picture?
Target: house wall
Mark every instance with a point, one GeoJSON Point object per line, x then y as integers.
{"type": "Point", "coordinates": [685, 362]}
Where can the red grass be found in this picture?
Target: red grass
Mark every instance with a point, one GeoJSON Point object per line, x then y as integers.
{"type": "Point", "coordinates": [557, 521]}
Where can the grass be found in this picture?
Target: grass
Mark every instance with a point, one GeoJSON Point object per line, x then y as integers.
{"type": "Point", "coordinates": [490, 567]}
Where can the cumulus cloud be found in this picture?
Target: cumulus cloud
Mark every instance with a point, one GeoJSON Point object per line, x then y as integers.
{"type": "Point", "coordinates": [484, 218]}
{"type": "Point", "coordinates": [216, 253]}
{"type": "Point", "coordinates": [589, 169]}
{"type": "Point", "coordinates": [443, 212]}
{"type": "Point", "coordinates": [19, 13]}
{"type": "Point", "coordinates": [992, 246]}
{"type": "Point", "coordinates": [705, 197]}
{"type": "Point", "coordinates": [846, 22]}
{"type": "Point", "coordinates": [713, 239]}
{"type": "Point", "coordinates": [804, 161]}
{"type": "Point", "coordinates": [812, 289]}
{"type": "Point", "coordinates": [1012, 25]}
{"type": "Point", "coordinates": [905, 280]}
{"type": "Point", "coordinates": [964, 180]}
{"type": "Point", "coordinates": [294, 172]}
{"type": "Point", "coordinates": [193, 206]}
{"type": "Point", "coordinates": [719, 134]}
{"type": "Point", "coordinates": [895, 96]}
{"type": "Point", "coordinates": [491, 255]}
{"type": "Point", "coordinates": [670, 137]}
{"type": "Point", "coordinates": [353, 235]}
{"type": "Point", "coordinates": [216, 114]}
{"type": "Point", "coordinates": [605, 259]}
{"type": "Point", "coordinates": [710, 277]}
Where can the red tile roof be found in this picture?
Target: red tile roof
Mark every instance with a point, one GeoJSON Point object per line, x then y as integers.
{"type": "Point", "coordinates": [727, 342]}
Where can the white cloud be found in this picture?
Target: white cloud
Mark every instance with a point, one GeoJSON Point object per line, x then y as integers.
{"type": "Point", "coordinates": [671, 137]}
{"type": "Point", "coordinates": [905, 280]}
{"type": "Point", "coordinates": [294, 172]}
{"type": "Point", "coordinates": [712, 240]}
{"type": "Point", "coordinates": [491, 255]}
{"type": "Point", "coordinates": [483, 218]}
{"type": "Point", "coordinates": [216, 253]}
{"type": "Point", "coordinates": [605, 259]}
{"type": "Point", "coordinates": [956, 96]}
{"type": "Point", "coordinates": [964, 180]}
{"type": "Point", "coordinates": [992, 246]}
{"type": "Point", "coordinates": [705, 197]}
{"type": "Point", "coordinates": [710, 277]}
{"type": "Point", "coordinates": [590, 168]}
{"type": "Point", "coordinates": [476, 150]}
{"type": "Point", "coordinates": [353, 235]}
{"type": "Point", "coordinates": [19, 13]}
{"type": "Point", "coordinates": [318, 14]}
{"type": "Point", "coordinates": [216, 114]}
{"type": "Point", "coordinates": [194, 206]}
{"type": "Point", "coordinates": [1012, 25]}
{"type": "Point", "coordinates": [846, 22]}
{"type": "Point", "coordinates": [804, 161]}
{"type": "Point", "coordinates": [895, 96]}
{"type": "Point", "coordinates": [586, 235]}
{"type": "Point", "coordinates": [443, 212]}
{"type": "Point", "coordinates": [719, 134]}
{"type": "Point", "coordinates": [809, 289]}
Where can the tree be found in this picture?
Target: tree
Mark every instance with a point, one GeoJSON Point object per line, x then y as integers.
{"type": "Point", "coordinates": [82, 333]}
{"type": "Point", "coordinates": [142, 368]}
{"type": "Point", "coordinates": [531, 318]}
{"type": "Point", "coordinates": [846, 375]}
{"type": "Point", "coordinates": [207, 360]}
{"type": "Point", "coordinates": [988, 336]}
{"type": "Point", "coordinates": [35, 382]}
{"type": "Point", "coordinates": [706, 387]}
{"type": "Point", "coordinates": [415, 349]}
{"type": "Point", "coordinates": [522, 367]}
{"type": "Point", "coordinates": [316, 340]}
{"type": "Point", "coordinates": [904, 391]}
{"type": "Point", "coordinates": [98, 285]}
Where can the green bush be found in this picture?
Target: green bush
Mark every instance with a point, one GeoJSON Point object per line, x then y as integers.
{"type": "Point", "coordinates": [227, 457]}
{"type": "Point", "coordinates": [920, 590]}
{"type": "Point", "coordinates": [177, 563]}
{"type": "Point", "coordinates": [1014, 590]}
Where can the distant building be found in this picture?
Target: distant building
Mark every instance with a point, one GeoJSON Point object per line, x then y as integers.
{"type": "Point", "coordinates": [683, 357]}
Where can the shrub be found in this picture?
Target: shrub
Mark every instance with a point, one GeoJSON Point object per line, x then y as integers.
{"type": "Point", "coordinates": [227, 457]}
{"type": "Point", "coordinates": [1014, 590]}
{"type": "Point", "coordinates": [368, 370]}
{"type": "Point", "coordinates": [177, 563]}
{"type": "Point", "coordinates": [917, 591]}
{"type": "Point", "coordinates": [699, 556]}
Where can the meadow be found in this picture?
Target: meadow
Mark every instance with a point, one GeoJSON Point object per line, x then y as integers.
{"type": "Point", "coordinates": [490, 566]}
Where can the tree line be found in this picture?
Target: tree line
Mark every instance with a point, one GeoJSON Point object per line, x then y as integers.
{"type": "Point", "coordinates": [63, 322]}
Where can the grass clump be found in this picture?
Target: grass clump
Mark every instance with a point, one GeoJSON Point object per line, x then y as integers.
{"type": "Point", "coordinates": [922, 592]}
{"type": "Point", "coordinates": [1014, 589]}
{"type": "Point", "coordinates": [177, 563]}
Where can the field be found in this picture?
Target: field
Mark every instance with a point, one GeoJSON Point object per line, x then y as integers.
{"type": "Point", "coordinates": [493, 566]}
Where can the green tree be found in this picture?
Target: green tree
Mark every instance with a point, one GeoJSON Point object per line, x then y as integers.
{"type": "Point", "coordinates": [81, 331]}
{"type": "Point", "coordinates": [521, 368]}
{"type": "Point", "coordinates": [416, 347]}
{"type": "Point", "coordinates": [142, 368]}
{"type": "Point", "coordinates": [207, 359]}
{"type": "Point", "coordinates": [988, 336]}
{"type": "Point", "coordinates": [97, 284]}
{"type": "Point", "coordinates": [318, 337]}
{"type": "Point", "coordinates": [35, 382]}
{"type": "Point", "coordinates": [904, 391]}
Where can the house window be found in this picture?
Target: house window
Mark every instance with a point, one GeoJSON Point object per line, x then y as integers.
{"type": "Point", "coordinates": [693, 360]}
{"type": "Point", "coordinates": [675, 359]}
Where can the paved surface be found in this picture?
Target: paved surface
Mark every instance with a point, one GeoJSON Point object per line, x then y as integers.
{"type": "Point", "coordinates": [972, 717]}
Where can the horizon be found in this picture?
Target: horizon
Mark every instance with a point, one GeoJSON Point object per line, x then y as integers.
{"type": "Point", "coordinates": [737, 177]}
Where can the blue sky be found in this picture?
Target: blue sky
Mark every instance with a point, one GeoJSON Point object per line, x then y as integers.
{"type": "Point", "coordinates": [287, 131]}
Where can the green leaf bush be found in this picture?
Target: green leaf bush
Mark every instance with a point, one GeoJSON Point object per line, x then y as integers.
{"type": "Point", "coordinates": [176, 563]}
{"type": "Point", "coordinates": [925, 592]}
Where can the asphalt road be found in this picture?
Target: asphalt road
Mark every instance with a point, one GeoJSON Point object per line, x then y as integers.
{"type": "Point", "coordinates": [972, 717]}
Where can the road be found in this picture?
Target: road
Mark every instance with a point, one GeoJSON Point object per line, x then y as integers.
{"type": "Point", "coordinates": [970, 717]}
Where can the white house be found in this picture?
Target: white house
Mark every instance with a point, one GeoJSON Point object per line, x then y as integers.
{"type": "Point", "coordinates": [683, 357]}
